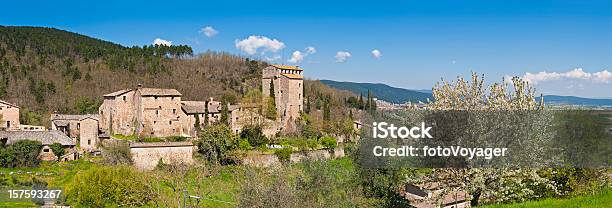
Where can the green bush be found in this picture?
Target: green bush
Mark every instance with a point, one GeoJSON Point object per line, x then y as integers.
{"type": "Point", "coordinates": [6, 157]}
{"type": "Point", "coordinates": [215, 143]}
{"type": "Point", "coordinates": [284, 154]}
{"type": "Point", "coordinates": [255, 136]}
{"type": "Point", "coordinates": [109, 187]}
{"type": "Point", "coordinates": [151, 139]}
{"type": "Point", "coordinates": [176, 139]}
{"type": "Point", "coordinates": [329, 142]}
{"type": "Point", "coordinates": [57, 149]}
{"type": "Point", "coordinates": [244, 145]}
{"type": "Point", "coordinates": [25, 153]}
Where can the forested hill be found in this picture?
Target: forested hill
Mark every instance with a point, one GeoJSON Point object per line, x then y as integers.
{"type": "Point", "coordinates": [46, 70]}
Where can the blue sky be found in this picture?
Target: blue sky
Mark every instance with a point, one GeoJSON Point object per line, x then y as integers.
{"type": "Point", "coordinates": [565, 46]}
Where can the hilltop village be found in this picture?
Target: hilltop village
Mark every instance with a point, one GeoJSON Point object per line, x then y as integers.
{"type": "Point", "coordinates": [144, 112]}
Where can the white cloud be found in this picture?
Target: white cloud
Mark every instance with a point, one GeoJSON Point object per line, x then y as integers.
{"type": "Point", "coordinates": [298, 56]}
{"type": "Point", "coordinates": [376, 53]}
{"type": "Point", "coordinates": [603, 76]}
{"type": "Point", "coordinates": [253, 43]}
{"type": "Point", "coordinates": [209, 31]}
{"type": "Point", "coordinates": [159, 41]}
{"type": "Point", "coordinates": [341, 56]}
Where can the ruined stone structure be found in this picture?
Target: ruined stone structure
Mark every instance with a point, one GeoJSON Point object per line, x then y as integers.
{"type": "Point", "coordinates": [10, 116]}
{"type": "Point", "coordinates": [288, 91]}
{"type": "Point", "coordinates": [83, 129]}
{"type": "Point", "coordinates": [146, 156]}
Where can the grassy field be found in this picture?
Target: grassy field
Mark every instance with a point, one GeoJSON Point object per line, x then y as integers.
{"type": "Point", "coordinates": [217, 187]}
{"type": "Point", "coordinates": [600, 200]}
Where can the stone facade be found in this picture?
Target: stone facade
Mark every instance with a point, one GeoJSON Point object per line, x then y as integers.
{"type": "Point", "coordinates": [288, 91]}
{"type": "Point", "coordinates": [145, 112]}
{"type": "Point", "coordinates": [146, 156]}
{"type": "Point", "coordinates": [82, 129]}
{"type": "Point", "coordinates": [10, 116]}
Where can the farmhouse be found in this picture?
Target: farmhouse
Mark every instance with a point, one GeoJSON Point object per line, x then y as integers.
{"type": "Point", "coordinates": [10, 116]}
{"type": "Point", "coordinates": [45, 137]}
{"type": "Point", "coordinates": [82, 129]}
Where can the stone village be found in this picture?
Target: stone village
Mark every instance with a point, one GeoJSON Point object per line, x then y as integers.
{"type": "Point", "coordinates": [153, 112]}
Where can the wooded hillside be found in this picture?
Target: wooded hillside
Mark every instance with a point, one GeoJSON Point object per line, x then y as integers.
{"type": "Point", "coordinates": [45, 70]}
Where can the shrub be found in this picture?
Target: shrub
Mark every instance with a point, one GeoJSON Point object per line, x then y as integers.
{"type": "Point", "coordinates": [329, 142]}
{"type": "Point", "coordinates": [6, 157]}
{"type": "Point", "coordinates": [244, 145]}
{"type": "Point", "coordinates": [57, 149]}
{"type": "Point", "coordinates": [284, 154]}
{"type": "Point", "coordinates": [176, 139]}
{"type": "Point", "coordinates": [117, 153]}
{"type": "Point", "coordinates": [109, 187]}
{"type": "Point", "coordinates": [255, 136]}
{"type": "Point", "coordinates": [215, 142]}
{"type": "Point", "coordinates": [25, 153]}
{"type": "Point", "coordinates": [151, 139]}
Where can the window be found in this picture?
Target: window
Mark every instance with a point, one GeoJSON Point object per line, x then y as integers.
{"type": "Point", "coordinates": [124, 99]}
{"type": "Point", "coordinates": [154, 122]}
{"type": "Point", "coordinates": [155, 97]}
{"type": "Point", "coordinates": [45, 150]}
{"type": "Point", "coordinates": [173, 111]}
{"type": "Point", "coordinates": [78, 125]}
{"type": "Point", "coordinates": [170, 122]}
{"type": "Point", "coordinates": [8, 124]}
{"type": "Point", "coordinates": [89, 142]}
{"type": "Point", "coordinates": [172, 98]}
{"type": "Point", "coordinates": [157, 112]}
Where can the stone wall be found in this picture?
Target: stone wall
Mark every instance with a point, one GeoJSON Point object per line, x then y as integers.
{"type": "Point", "coordinates": [267, 160]}
{"type": "Point", "coordinates": [146, 156]}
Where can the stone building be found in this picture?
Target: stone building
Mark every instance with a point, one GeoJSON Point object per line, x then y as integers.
{"type": "Point", "coordinates": [146, 156]}
{"type": "Point", "coordinates": [288, 91]}
{"type": "Point", "coordinates": [82, 129]}
{"type": "Point", "coordinates": [10, 116]}
{"type": "Point", "coordinates": [45, 137]}
{"type": "Point", "coordinates": [145, 112]}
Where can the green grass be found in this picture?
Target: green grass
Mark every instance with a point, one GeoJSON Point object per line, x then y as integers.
{"type": "Point", "coordinates": [124, 137]}
{"type": "Point", "coordinates": [603, 199]}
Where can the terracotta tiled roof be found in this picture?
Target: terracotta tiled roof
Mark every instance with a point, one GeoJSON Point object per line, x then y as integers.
{"type": "Point", "coordinates": [287, 67]}
{"type": "Point", "coordinates": [45, 137]}
{"type": "Point", "coordinates": [118, 93]}
{"type": "Point", "coordinates": [159, 92]}
{"type": "Point", "coordinates": [293, 76]}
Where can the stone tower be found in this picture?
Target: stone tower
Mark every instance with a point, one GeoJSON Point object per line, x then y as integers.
{"type": "Point", "coordinates": [288, 90]}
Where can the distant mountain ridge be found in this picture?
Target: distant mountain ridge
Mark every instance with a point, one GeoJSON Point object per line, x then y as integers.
{"type": "Point", "coordinates": [401, 95]}
{"type": "Point", "coordinates": [381, 91]}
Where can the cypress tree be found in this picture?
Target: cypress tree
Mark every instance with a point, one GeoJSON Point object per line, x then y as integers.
{"type": "Point", "coordinates": [224, 113]}
{"type": "Point", "coordinates": [206, 113]}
